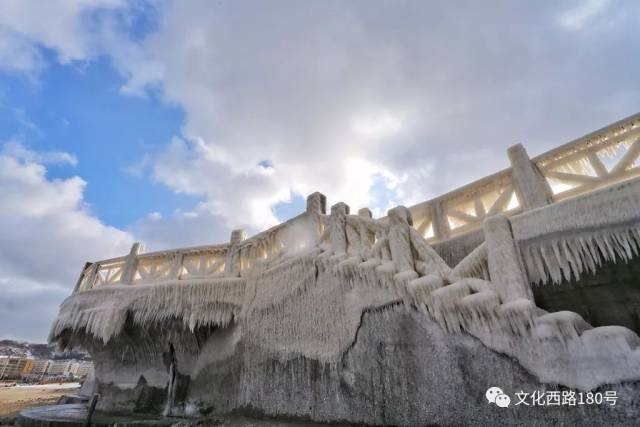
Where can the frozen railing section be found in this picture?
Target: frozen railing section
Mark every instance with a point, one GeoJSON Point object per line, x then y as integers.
{"type": "Point", "coordinates": [138, 268]}
{"type": "Point", "coordinates": [463, 210]}
{"type": "Point", "coordinates": [238, 257]}
{"type": "Point", "coordinates": [599, 159]}
{"type": "Point", "coordinates": [289, 238]}
{"type": "Point", "coordinates": [608, 156]}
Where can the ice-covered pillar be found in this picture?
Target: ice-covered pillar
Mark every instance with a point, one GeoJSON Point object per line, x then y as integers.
{"type": "Point", "coordinates": [505, 265]}
{"type": "Point", "coordinates": [439, 222]}
{"type": "Point", "coordinates": [316, 203]}
{"type": "Point", "coordinates": [531, 186]}
{"type": "Point", "coordinates": [316, 206]}
{"type": "Point", "coordinates": [338, 231]}
{"type": "Point", "coordinates": [176, 265]}
{"type": "Point", "coordinates": [400, 222]}
{"type": "Point", "coordinates": [365, 212]}
{"type": "Point", "coordinates": [131, 263]}
{"type": "Point", "coordinates": [232, 265]}
{"type": "Point", "coordinates": [85, 271]}
{"type": "Point", "coordinates": [367, 236]}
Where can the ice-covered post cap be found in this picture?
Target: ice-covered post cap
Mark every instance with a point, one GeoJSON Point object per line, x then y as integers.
{"type": "Point", "coordinates": [237, 236]}
{"type": "Point", "coordinates": [129, 269]}
{"type": "Point", "coordinates": [317, 203]}
{"type": "Point", "coordinates": [401, 214]}
{"type": "Point", "coordinates": [136, 248]}
{"type": "Point", "coordinates": [340, 207]}
{"type": "Point", "coordinates": [365, 212]}
{"type": "Point", "coordinates": [532, 187]}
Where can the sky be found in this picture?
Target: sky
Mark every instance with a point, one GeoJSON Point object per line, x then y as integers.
{"type": "Point", "coordinates": [173, 122]}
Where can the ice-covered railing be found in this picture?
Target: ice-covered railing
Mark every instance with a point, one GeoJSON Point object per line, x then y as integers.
{"type": "Point", "coordinates": [239, 257]}
{"type": "Point", "coordinates": [601, 158]}
{"type": "Point", "coordinates": [463, 210]}
{"type": "Point", "coordinates": [136, 268]}
{"type": "Point", "coordinates": [290, 237]}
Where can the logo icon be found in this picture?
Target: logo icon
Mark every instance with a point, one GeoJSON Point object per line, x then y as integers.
{"type": "Point", "coordinates": [497, 396]}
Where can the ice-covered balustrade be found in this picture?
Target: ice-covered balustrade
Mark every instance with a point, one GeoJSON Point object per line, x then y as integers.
{"type": "Point", "coordinates": [599, 159]}
{"type": "Point", "coordinates": [322, 309]}
{"type": "Point", "coordinates": [239, 257]}
{"type": "Point", "coordinates": [451, 222]}
{"type": "Point", "coordinates": [596, 160]}
{"type": "Point", "coordinates": [138, 268]}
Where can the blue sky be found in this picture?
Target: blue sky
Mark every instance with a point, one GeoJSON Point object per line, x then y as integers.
{"type": "Point", "coordinates": [79, 109]}
{"type": "Point", "coordinates": [173, 122]}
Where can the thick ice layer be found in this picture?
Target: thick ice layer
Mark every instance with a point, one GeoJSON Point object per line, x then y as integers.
{"type": "Point", "coordinates": [559, 257]}
{"type": "Point", "coordinates": [102, 312]}
{"type": "Point", "coordinates": [318, 316]}
{"type": "Point", "coordinates": [575, 236]}
{"type": "Point", "coordinates": [473, 265]}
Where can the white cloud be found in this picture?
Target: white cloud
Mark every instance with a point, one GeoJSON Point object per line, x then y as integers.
{"type": "Point", "coordinates": [181, 229]}
{"type": "Point", "coordinates": [64, 26]}
{"type": "Point", "coordinates": [14, 148]}
{"type": "Point", "coordinates": [577, 17]}
{"type": "Point", "coordinates": [335, 95]}
{"type": "Point", "coordinates": [48, 233]}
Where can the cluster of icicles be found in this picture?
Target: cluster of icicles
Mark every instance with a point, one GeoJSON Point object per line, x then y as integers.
{"type": "Point", "coordinates": [305, 306]}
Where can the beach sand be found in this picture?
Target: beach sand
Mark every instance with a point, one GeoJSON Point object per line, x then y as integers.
{"type": "Point", "coordinates": [15, 399]}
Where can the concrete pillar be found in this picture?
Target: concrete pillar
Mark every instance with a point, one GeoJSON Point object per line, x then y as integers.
{"type": "Point", "coordinates": [232, 266]}
{"type": "Point", "coordinates": [176, 266]}
{"type": "Point", "coordinates": [316, 206]}
{"type": "Point", "coordinates": [367, 236]}
{"type": "Point", "coordinates": [400, 223]}
{"type": "Point", "coordinates": [82, 274]}
{"type": "Point", "coordinates": [338, 224]}
{"type": "Point", "coordinates": [317, 203]}
{"type": "Point", "coordinates": [365, 212]}
{"type": "Point", "coordinates": [439, 222]}
{"type": "Point", "coordinates": [505, 265]}
{"type": "Point", "coordinates": [131, 263]}
{"type": "Point", "coordinates": [93, 272]}
{"type": "Point", "coordinates": [531, 186]}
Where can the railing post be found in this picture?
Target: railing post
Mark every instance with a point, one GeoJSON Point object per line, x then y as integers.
{"type": "Point", "coordinates": [505, 265]}
{"type": "Point", "coordinates": [439, 222]}
{"type": "Point", "coordinates": [338, 232]}
{"type": "Point", "coordinates": [93, 272]}
{"type": "Point", "coordinates": [176, 266]}
{"type": "Point", "coordinates": [316, 206]}
{"type": "Point", "coordinates": [84, 271]}
{"type": "Point", "coordinates": [365, 212]}
{"type": "Point", "coordinates": [232, 266]}
{"type": "Point", "coordinates": [130, 264]}
{"type": "Point", "coordinates": [530, 184]}
{"type": "Point", "coordinates": [316, 203]}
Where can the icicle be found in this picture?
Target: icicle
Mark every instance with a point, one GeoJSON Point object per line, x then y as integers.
{"type": "Point", "coordinates": [566, 257]}
{"type": "Point", "coordinates": [564, 325]}
{"type": "Point", "coordinates": [473, 265]}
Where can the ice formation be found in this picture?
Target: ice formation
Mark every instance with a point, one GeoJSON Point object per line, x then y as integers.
{"type": "Point", "coordinates": [584, 232]}
{"type": "Point", "coordinates": [288, 306]}
{"type": "Point", "coordinates": [309, 304]}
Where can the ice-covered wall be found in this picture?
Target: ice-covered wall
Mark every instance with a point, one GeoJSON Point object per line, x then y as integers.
{"type": "Point", "coordinates": [341, 317]}
{"type": "Point", "coordinates": [298, 336]}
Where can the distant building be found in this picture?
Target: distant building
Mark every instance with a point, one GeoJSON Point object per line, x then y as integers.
{"type": "Point", "coordinates": [40, 367]}
{"type": "Point", "coordinates": [81, 369]}
{"type": "Point", "coordinates": [60, 368]}
{"type": "Point", "coordinates": [28, 367]}
{"type": "Point", "coordinates": [12, 367]}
